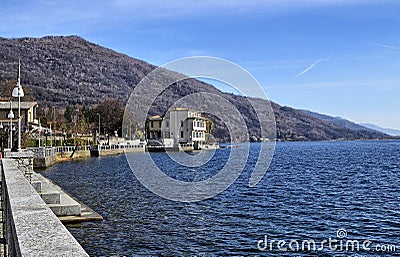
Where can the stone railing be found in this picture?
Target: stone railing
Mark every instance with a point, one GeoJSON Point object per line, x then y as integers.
{"type": "Point", "coordinates": [42, 152]}
{"type": "Point", "coordinates": [65, 149]}
{"type": "Point", "coordinates": [114, 147]}
{"type": "Point", "coordinates": [32, 229]}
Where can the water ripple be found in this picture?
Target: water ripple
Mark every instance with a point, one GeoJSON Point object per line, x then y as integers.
{"type": "Point", "coordinates": [310, 191]}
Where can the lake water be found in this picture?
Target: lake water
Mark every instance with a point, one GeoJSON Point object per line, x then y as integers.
{"type": "Point", "coordinates": [320, 191]}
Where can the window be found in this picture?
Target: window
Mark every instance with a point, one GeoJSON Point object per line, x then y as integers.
{"type": "Point", "coordinates": [151, 124]}
{"type": "Point", "coordinates": [181, 134]}
{"type": "Point", "coordinates": [167, 124]}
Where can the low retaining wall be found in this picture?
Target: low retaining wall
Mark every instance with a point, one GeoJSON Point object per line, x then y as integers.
{"type": "Point", "coordinates": [77, 154]}
{"type": "Point", "coordinates": [106, 150]}
{"type": "Point", "coordinates": [43, 157]}
{"type": "Point", "coordinates": [44, 162]}
{"type": "Point", "coordinates": [32, 228]}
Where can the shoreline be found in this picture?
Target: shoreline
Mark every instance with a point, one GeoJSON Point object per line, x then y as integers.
{"type": "Point", "coordinates": [84, 154]}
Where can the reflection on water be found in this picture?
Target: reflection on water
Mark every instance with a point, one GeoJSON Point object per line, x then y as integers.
{"type": "Point", "coordinates": [310, 191]}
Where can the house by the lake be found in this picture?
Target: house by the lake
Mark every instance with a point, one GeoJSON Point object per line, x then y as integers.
{"type": "Point", "coordinates": [178, 128]}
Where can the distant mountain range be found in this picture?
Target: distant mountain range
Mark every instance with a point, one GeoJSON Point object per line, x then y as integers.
{"type": "Point", "coordinates": [354, 126]}
{"type": "Point", "coordinates": [392, 132]}
{"type": "Point", "coordinates": [342, 122]}
{"type": "Point", "coordinates": [62, 71]}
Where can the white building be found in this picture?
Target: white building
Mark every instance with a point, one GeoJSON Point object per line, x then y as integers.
{"type": "Point", "coordinates": [180, 126]}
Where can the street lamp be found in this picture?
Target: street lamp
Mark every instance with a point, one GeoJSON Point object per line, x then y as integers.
{"type": "Point", "coordinates": [19, 92]}
{"type": "Point", "coordinates": [51, 142]}
{"type": "Point", "coordinates": [1, 128]}
{"type": "Point", "coordinates": [46, 133]}
{"type": "Point", "coordinates": [11, 117]}
{"type": "Point", "coordinates": [40, 132]}
{"type": "Point", "coordinates": [99, 125]}
{"type": "Point", "coordinates": [64, 135]}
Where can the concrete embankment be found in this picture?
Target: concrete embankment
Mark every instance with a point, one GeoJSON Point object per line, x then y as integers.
{"type": "Point", "coordinates": [107, 150]}
{"type": "Point", "coordinates": [32, 229]}
{"type": "Point", "coordinates": [47, 156]}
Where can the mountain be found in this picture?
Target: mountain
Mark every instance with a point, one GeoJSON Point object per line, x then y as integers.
{"type": "Point", "coordinates": [69, 70]}
{"type": "Point", "coordinates": [392, 132]}
{"type": "Point", "coordinates": [342, 122]}
{"type": "Point", "coordinates": [295, 124]}
{"type": "Point", "coordinates": [63, 71]}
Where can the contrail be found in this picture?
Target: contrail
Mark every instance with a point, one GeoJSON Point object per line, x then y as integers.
{"type": "Point", "coordinates": [387, 46]}
{"type": "Point", "coordinates": [312, 66]}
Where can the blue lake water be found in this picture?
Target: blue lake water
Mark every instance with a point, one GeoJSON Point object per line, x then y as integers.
{"type": "Point", "coordinates": [311, 190]}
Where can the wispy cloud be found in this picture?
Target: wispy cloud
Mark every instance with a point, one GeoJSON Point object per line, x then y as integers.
{"type": "Point", "coordinates": [36, 18]}
{"type": "Point", "coordinates": [238, 4]}
{"type": "Point", "coordinates": [386, 46]}
{"type": "Point", "coordinates": [312, 66]}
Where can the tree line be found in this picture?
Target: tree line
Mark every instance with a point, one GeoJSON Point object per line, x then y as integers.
{"type": "Point", "coordinates": [74, 120]}
{"type": "Point", "coordinates": [82, 119]}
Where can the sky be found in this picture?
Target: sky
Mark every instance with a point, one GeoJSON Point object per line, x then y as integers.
{"type": "Point", "coordinates": [337, 57]}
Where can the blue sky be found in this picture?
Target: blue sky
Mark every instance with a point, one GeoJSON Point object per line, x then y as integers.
{"type": "Point", "coordinates": [338, 57]}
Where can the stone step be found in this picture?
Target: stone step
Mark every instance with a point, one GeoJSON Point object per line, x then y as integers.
{"type": "Point", "coordinates": [51, 197]}
{"type": "Point", "coordinates": [37, 185]}
{"type": "Point", "coordinates": [67, 207]}
{"type": "Point", "coordinates": [57, 199]}
{"type": "Point", "coordinates": [49, 194]}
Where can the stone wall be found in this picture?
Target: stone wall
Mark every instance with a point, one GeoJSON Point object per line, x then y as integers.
{"type": "Point", "coordinates": [44, 162]}
{"type": "Point", "coordinates": [77, 154]}
{"type": "Point", "coordinates": [32, 228]}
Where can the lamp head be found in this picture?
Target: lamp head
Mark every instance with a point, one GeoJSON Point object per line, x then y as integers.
{"type": "Point", "coordinates": [11, 115]}
{"type": "Point", "coordinates": [18, 91]}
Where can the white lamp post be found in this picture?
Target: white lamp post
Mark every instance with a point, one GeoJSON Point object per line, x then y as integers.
{"type": "Point", "coordinates": [11, 117]}
{"type": "Point", "coordinates": [40, 132]}
{"type": "Point", "coordinates": [51, 142]}
{"type": "Point", "coordinates": [99, 127]}
{"type": "Point", "coordinates": [18, 92]}
{"type": "Point", "coordinates": [1, 128]}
